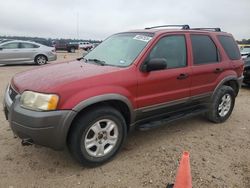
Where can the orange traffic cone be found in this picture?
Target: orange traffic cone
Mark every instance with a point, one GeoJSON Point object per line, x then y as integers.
{"type": "Point", "coordinates": [183, 176]}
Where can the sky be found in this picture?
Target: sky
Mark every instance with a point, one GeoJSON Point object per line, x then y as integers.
{"type": "Point", "coordinates": [97, 19]}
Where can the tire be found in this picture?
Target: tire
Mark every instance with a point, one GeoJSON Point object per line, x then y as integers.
{"type": "Point", "coordinates": [246, 83]}
{"type": "Point", "coordinates": [91, 129]}
{"type": "Point", "coordinates": [41, 60]}
{"type": "Point", "coordinates": [222, 105]}
{"type": "Point", "coordinates": [72, 50]}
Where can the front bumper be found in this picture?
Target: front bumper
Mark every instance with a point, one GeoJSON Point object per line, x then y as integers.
{"type": "Point", "coordinates": [43, 128]}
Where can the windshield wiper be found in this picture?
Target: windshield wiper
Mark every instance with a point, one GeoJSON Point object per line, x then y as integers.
{"type": "Point", "coordinates": [81, 58]}
{"type": "Point", "coordinates": [97, 61]}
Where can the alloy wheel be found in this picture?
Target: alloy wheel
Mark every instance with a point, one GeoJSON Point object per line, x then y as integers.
{"type": "Point", "coordinates": [225, 105]}
{"type": "Point", "coordinates": [101, 138]}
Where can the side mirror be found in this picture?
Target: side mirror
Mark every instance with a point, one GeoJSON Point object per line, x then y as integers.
{"type": "Point", "coordinates": [155, 64]}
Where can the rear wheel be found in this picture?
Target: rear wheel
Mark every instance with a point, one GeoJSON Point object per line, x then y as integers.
{"type": "Point", "coordinates": [97, 136]}
{"type": "Point", "coordinates": [72, 50]}
{"type": "Point", "coordinates": [40, 60]}
{"type": "Point", "coordinates": [222, 105]}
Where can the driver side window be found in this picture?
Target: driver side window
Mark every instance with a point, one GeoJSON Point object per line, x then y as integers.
{"type": "Point", "coordinates": [173, 49]}
{"type": "Point", "coordinates": [12, 45]}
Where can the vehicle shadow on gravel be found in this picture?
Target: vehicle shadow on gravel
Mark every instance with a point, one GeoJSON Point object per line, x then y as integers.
{"type": "Point", "coordinates": [246, 87]}
{"type": "Point", "coordinates": [24, 65]}
{"type": "Point", "coordinates": [15, 65]}
{"type": "Point", "coordinates": [174, 129]}
{"type": "Point", "coordinates": [49, 159]}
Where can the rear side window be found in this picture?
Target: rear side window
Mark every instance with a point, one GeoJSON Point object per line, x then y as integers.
{"type": "Point", "coordinates": [230, 47]}
{"type": "Point", "coordinates": [204, 50]}
{"type": "Point", "coordinates": [28, 45]}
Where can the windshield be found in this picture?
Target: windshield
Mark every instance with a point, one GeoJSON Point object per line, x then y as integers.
{"type": "Point", "coordinates": [120, 49]}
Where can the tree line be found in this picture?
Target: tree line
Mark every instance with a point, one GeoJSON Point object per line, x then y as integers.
{"type": "Point", "coordinates": [244, 41]}
{"type": "Point", "coordinates": [47, 41]}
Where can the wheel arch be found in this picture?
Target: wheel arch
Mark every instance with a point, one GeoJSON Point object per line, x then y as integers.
{"type": "Point", "coordinates": [231, 81]}
{"type": "Point", "coordinates": [39, 55]}
{"type": "Point", "coordinates": [119, 102]}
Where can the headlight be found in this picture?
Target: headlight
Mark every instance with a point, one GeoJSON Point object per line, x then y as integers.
{"type": "Point", "coordinates": [38, 101]}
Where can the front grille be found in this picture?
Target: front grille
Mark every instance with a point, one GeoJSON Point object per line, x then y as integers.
{"type": "Point", "coordinates": [12, 93]}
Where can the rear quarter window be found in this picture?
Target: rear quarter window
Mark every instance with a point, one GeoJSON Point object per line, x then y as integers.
{"type": "Point", "coordinates": [230, 47]}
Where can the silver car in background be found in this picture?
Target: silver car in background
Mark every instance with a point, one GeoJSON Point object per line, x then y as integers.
{"type": "Point", "coordinates": [19, 52]}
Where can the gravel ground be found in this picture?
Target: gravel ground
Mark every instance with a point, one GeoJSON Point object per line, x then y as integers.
{"type": "Point", "coordinates": [219, 153]}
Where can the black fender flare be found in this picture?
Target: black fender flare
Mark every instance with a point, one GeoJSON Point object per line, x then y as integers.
{"type": "Point", "coordinates": [103, 98]}
{"type": "Point", "coordinates": [226, 79]}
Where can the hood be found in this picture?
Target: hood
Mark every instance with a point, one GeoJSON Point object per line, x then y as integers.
{"type": "Point", "coordinates": [45, 78]}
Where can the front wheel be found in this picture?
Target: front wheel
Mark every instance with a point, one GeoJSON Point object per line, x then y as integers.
{"type": "Point", "coordinates": [97, 136]}
{"type": "Point", "coordinates": [222, 105]}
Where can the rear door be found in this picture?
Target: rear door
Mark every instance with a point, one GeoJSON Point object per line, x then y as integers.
{"type": "Point", "coordinates": [207, 64]}
{"type": "Point", "coordinates": [28, 51]}
{"type": "Point", "coordinates": [9, 53]}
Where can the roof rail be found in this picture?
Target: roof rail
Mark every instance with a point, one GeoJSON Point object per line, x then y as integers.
{"type": "Point", "coordinates": [217, 29]}
{"type": "Point", "coordinates": [185, 27]}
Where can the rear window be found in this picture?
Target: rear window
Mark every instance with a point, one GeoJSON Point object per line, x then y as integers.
{"type": "Point", "coordinates": [230, 47]}
{"type": "Point", "coordinates": [204, 50]}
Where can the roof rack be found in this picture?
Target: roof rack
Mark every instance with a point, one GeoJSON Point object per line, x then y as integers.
{"type": "Point", "coordinates": [185, 27]}
{"type": "Point", "coordinates": [217, 29]}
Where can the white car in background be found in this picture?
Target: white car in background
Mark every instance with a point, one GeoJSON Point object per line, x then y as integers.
{"type": "Point", "coordinates": [19, 52]}
{"type": "Point", "coordinates": [244, 50]}
{"type": "Point", "coordinates": [85, 46]}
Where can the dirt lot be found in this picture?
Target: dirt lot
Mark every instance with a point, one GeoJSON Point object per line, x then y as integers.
{"type": "Point", "coordinates": [220, 154]}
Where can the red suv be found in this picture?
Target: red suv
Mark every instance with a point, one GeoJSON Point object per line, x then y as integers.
{"type": "Point", "coordinates": [142, 78]}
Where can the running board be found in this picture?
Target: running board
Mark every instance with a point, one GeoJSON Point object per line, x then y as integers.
{"type": "Point", "coordinates": [169, 119]}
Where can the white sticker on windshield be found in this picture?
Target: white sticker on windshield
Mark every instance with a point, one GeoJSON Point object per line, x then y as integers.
{"type": "Point", "coordinates": [142, 38]}
{"type": "Point", "coordinates": [122, 61]}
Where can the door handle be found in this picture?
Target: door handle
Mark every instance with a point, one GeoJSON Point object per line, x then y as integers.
{"type": "Point", "coordinates": [218, 70]}
{"type": "Point", "coordinates": [182, 76]}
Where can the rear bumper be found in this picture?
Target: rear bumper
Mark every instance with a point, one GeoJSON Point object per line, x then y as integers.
{"type": "Point", "coordinates": [43, 128]}
{"type": "Point", "coordinates": [52, 57]}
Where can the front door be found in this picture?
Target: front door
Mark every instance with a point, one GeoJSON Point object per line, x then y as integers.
{"type": "Point", "coordinates": [158, 89]}
{"type": "Point", "coordinates": [9, 53]}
